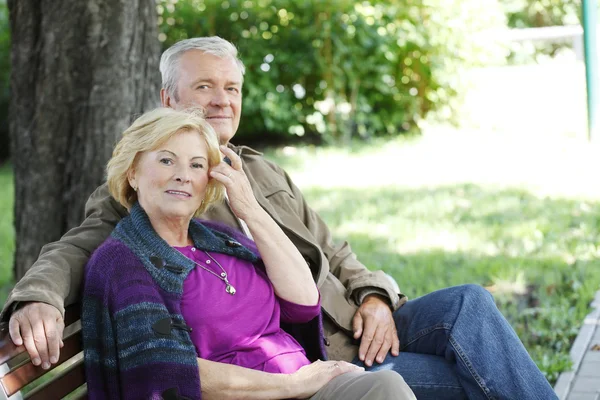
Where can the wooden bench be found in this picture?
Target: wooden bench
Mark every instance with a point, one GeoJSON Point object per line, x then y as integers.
{"type": "Point", "coordinates": [18, 375]}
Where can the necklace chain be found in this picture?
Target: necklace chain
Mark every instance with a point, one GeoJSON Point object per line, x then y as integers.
{"type": "Point", "coordinates": [223, 276]}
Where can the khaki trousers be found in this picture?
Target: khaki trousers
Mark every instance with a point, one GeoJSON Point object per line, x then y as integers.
{"type": "Point", "coordinates": [380, 385]}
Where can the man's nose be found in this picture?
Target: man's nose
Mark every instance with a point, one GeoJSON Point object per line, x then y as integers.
{"type": "Point", "coordinates": [220, 98]}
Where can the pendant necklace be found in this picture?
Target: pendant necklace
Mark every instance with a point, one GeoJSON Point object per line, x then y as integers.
{"type": "Point", "coordinates": [223, 276]}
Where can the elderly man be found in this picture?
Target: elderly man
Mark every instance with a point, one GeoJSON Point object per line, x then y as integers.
{"type": "Point", "coordinates": [453, 343]}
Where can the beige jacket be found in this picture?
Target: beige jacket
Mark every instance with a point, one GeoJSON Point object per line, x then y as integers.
{"type": "Point", "coordinates": [343, 281]}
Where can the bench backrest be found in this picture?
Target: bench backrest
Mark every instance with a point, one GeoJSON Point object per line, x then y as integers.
{"type": "Point", "coordinates": [18, 375]}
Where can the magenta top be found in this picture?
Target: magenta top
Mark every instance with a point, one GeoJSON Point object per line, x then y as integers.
{"type": "Point", "coordinates": [243, 329]}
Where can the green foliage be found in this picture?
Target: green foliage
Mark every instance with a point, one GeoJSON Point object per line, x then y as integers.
{"type": "Point", "coordinates": [540, 13]}
{"type": "Point", "coordinates": [341, 68]}
{"type": "Point", "coordinates": [7, 231]}
{"type": "Point", "coordinates": [537, 14]}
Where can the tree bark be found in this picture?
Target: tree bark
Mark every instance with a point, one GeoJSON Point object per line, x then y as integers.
{"type": "Point", "coordinates": [82, 70]}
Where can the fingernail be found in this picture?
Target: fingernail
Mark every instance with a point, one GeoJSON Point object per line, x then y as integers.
{"type": "Point", "coordinates": [53, 359]}
{"type": "Point", "coordinates": [36, 361]}
{"type": "Point", "coordinates": [46, 365]}
{"type": "Point", "coordinates": [369, 362]}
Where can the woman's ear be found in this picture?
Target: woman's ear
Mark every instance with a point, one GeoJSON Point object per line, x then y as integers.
{"type": "Point", "coordinates": [131, 179]}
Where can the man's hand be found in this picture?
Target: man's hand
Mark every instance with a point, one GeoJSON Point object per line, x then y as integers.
{"type": "Point", "coordinates": [39, 326]}
{"type": "Point", "coordinates": [374, 322]}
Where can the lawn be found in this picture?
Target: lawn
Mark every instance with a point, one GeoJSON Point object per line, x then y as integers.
{"type": "Point", "coordinates": [7, 234]}
{"type": "Point", "coordinates": [448, 209]}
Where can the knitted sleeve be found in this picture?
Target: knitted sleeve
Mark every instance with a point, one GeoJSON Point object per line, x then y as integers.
{"type": "Point", "coordinates": [98, 329]}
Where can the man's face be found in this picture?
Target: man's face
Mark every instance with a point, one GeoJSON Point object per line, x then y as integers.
{"type": "Point", "coordinates": [212, 83]}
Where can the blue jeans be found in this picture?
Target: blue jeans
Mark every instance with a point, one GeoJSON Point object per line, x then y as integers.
{"type": "Point", "coordinates": [455, 344]}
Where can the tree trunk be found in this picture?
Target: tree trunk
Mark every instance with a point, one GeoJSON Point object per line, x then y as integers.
{"type": "Point", "coordinates": [82, 70]}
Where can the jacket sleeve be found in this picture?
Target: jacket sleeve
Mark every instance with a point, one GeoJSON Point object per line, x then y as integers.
{"type": "Point", "coordinates": [56, 276]}
{"type": "Point", "coordinates": [343, 264]}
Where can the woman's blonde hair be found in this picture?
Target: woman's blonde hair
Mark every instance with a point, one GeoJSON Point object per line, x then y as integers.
{"type": "Point", "coordinates": [149, 132]}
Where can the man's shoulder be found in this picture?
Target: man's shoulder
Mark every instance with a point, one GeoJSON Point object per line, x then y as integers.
{"type": "Point", "coordinates": [256, 162]}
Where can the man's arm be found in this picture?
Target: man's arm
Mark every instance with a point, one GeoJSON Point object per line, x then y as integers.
{"type": "Point", "coordinates": [373, 292]}
{"type": "Point", "coordinates": [56, 276]}
{"type": "Point", "coordinates": [359, 281]}
{"type": "Point", "coordinates": [36, 304]}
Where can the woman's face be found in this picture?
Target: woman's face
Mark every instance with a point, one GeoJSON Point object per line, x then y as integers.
{"type": "Point", "coordinates": [171, 180]}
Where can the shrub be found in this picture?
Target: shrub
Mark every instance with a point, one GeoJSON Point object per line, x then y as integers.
{"type": "Point", "coordinates": [342, 68]}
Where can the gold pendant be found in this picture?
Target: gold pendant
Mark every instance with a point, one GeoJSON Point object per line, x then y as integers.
{"type": "Point", "coordinates": [230, 289]}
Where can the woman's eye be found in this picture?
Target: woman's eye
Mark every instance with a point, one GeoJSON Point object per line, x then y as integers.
{"type": "Point", "coordinates": [197, 165]}
{"type": "Point", "coordinates": [166, 161]}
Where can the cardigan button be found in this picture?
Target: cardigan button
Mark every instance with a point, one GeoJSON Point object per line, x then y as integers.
{"type": "Point", "coordinates": [232, 243]}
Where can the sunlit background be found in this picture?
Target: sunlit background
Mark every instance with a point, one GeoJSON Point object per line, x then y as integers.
{"type": "Point", "coordinates": [446, 140]}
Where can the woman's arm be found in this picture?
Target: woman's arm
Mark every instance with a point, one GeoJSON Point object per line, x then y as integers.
{"type": "Point", "coordinates": [287, 270]}
{"type": "Point", "coordinates": [225, 381]}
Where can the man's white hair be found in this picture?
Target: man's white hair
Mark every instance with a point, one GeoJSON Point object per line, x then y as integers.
{"type": "Point", "coordinates": [169, 61]}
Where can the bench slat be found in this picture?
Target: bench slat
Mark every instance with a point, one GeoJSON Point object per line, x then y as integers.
{"type": "Point", "coordinates": [21, 376]}
{"type": "Point", "coordinates": [61, 385]}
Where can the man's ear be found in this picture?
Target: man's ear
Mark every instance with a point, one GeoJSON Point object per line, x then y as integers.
{"type": "Point", "coordinates": [165, 99]}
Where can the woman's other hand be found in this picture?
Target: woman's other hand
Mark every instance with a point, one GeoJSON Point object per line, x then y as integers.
{"type": "Point", "coordinates": [241, 198]}
{"type": "Point", "coordinates": [310, 378]}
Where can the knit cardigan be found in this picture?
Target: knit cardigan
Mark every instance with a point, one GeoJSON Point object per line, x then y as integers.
{"type": "Point", "coordinates": [136, 343]}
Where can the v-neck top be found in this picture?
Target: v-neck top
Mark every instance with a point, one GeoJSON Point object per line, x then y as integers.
{"type": "Point", "coordinates": [242, 329]}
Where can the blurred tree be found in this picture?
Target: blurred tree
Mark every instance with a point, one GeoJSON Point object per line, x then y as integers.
{"type": "Point", "coordinates": [81, 69]}
{"type": "Point", "coordinates": [4, 77]}
{"type": "Point", "coordinates": [540, 13]}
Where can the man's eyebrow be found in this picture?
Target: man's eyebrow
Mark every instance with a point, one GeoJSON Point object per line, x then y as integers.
{"type": "Point", "coordinates": [209, 80]}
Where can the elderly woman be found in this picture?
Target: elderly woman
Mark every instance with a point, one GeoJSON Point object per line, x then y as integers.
{"type": "Point", "coordinates": [176, 308]}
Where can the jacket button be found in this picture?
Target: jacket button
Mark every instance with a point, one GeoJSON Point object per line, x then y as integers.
{"type": "Point", "coordinates": [326, 341]}
{"type": "Point", "coordinates": [231, 243]}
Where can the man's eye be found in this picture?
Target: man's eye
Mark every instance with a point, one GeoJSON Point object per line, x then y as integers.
{"type": "Point", "coordinates": [166, 161]}
{"type": "Point", "coordinates": [201, 86]}
{"type": "Point", "coordinates": [233, 89]}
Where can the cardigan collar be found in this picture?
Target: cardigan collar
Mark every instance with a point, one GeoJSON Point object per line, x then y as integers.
{"type": "Point", "coordinates": [167, 266]}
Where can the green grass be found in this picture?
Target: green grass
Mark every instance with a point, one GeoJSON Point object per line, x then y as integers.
{"type": "Point", "coordinates": [7, 232]}
{"type": "Point", "coordinates": [527, 238]}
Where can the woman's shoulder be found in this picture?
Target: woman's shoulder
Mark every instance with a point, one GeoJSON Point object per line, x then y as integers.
{"type": "Point", "coordinates": [110, 255]}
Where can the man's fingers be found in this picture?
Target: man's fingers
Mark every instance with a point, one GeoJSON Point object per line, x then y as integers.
{"type": "Point", "coordinates": [29, 344]}
{"type": "Point", "coordinates": [15, 331]}
{"type": "Point", "coordinates": [385, 347]}
{"type": "Point", "coordinates": [357, 325]}
{"type": "Point", "coordinates": [395, 343]}
{"type": "Point", "coordinates": [376, 344]}
{"type": "Point", "coordinates": [53, 338]}
{"type": "Point", "coordinates": [41, 343]}
{"type": "Point", "coordinates": [368, 336]}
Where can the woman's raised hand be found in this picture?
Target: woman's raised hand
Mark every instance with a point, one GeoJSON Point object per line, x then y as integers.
{"type": "Point", "coordinates": [241, 198]}
{"type": "Point", "coordinates": [310, 378]}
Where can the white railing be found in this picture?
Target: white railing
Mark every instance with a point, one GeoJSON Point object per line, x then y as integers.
{"type": "Point", "coordinates": [550, 34]}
